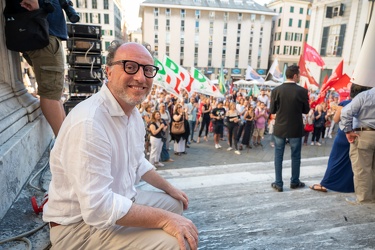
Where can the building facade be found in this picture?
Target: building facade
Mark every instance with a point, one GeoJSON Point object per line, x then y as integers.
{"type": "Point", "coordinates": [338, 31]}
{"type": "Point", "coordinates": [289, 30]}
{"type": "Point", "coordinates": [209, 34]}
{"type": "Point", "coordinates": [105, 13]}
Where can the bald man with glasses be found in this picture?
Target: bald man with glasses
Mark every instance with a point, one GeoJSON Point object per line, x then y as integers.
{"type": "Point", "coordinates": [98, 159]}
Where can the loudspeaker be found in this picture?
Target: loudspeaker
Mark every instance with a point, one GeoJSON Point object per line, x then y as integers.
{"type": "Point", "coordinates": [84, 44]}
{"type": "Point", "coordinates": [83, 30]}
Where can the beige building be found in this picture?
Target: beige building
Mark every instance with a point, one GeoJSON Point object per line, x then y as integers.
{"type": "Point", "coordinates": [290, 30]}
{"type": "Point", "coordinates": [337, 31]}
{"type": "Point", "coordinates": [105, 13]}
{"type": "Point", "coordinates": [207, 34]}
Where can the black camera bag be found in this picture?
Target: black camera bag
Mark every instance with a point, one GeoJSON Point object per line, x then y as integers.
{"type": "Point", "coordinates": [26, 31]}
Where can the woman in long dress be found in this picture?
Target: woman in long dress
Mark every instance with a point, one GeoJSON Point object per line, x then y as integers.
{"type": "Point", "coordinates": [339, 173]}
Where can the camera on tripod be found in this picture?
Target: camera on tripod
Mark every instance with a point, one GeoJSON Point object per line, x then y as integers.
{"type": "Point", "coordinates": [67, 6]}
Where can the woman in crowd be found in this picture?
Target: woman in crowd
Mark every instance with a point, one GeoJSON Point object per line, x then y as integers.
{"type": "Point", "coordinates": [339, 175]}
{"type": "Point", "coordinates": [308, 121]}
{"type": "Point", "coordinates": [166, 118]}
{"type": "Point", "coordinates": [261, 116]}
{"type": "Point", "coordinates": [319, 121]}
{"type": "Point", "coordinates": [233, 118]}
{"type": "Point", "coordinates": [179, 139]}
{"type": "Point", "coordinates": [206, 110]}
{"type": "Point", "coordinates": [146, 116]}
{"type": "Point", "coordinates": [157, 128]}
{"type": "Point", "coordinates": [249, 126]}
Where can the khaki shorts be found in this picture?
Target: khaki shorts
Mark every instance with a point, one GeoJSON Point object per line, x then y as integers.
{"type": "Point", "coordinates": [258, 132]}
{"type": "Point", "coordinates": [48, 65]}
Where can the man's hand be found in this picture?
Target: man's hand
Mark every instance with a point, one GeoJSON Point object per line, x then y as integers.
{"type": "Point", "coordinates": [180, 196]}
{"type": "Point", "coordinates": [351, 136]}
{"type": "Point", "coordinates": [182, 228]}
{"type": "Point", "coordinates": [30, 4]}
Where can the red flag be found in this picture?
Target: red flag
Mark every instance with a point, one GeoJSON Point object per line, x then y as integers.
{"type": "Point", "coordinates": [337, 80]}
{"type": "Point", "coordinates": [305, 72]}
{"type": "Point", "coordinates": [305, 86]}
{"type": "Point", "coordinates": [325, 79]}
{"type": "Point", "coordinates": [311, 55]}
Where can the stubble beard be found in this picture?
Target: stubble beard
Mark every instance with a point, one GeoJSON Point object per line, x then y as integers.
{"type": "Point", "coordinates": [132, 100]}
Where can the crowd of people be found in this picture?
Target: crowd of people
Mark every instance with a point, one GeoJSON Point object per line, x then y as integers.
{"type": "Point", "coordinates": [236, 122]}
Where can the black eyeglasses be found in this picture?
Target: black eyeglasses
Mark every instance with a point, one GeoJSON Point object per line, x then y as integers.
{"type": "Point", "coordinates": [131, 68]}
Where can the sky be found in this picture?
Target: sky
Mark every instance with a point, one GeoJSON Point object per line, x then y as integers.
{"type": "Point", "coordinates": [132, 11]}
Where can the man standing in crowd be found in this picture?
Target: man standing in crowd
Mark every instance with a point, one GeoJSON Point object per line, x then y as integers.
{"type": "Point", "coordinates": [289, 101]}
{"type": "Point", "coordinates": [218, 115]}
{"type": "Point", "coordinates": [192, 111]}
{"type": "Point", "coordinates": [48, 65]}
{"type": "Point", "coordinates": [97, 160]}
{"type": "Point", "coordinates": [358, 122]}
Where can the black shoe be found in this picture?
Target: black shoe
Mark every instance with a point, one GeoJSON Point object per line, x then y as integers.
{"type": "Point", "coordinates": [297, 185]}
{"type": "Point", "coordinates": [277, 187]}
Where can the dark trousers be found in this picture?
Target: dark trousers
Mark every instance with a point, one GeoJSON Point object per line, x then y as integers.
{"type": "Point", "coordinates": [205, 123]}
{"type": "Point", "coordinates": [316, 134]}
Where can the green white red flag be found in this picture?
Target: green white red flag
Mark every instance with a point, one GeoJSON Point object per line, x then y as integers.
{"type": "Point", "coordinates": [203, 85]}
{"type": "Point", "coordinates": [167, 79]}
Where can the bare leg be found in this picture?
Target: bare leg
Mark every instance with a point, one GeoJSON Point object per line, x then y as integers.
{"type": "Point", "coordinates": [54, 112]}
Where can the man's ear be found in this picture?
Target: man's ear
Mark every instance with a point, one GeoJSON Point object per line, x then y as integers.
{"type": "Point", "coordinates": [108, 71]}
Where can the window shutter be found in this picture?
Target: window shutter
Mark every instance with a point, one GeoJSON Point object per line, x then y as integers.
{"type": "Point", "coordinates": [323, 49]}
{"type": "Point", "coordinates": [329, 12]}
{"type": "Point", "coordinates": [342, 9]}
{"type": "Point", "coordinates": [341, 40]}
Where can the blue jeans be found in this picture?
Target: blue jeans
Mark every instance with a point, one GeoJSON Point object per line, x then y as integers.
{"type": "Point", "coordinates": [192, 127]}
{"type": "Point", "coordinates": [164, 156]}
{"type": "Point", "coordinates": [295, 146]}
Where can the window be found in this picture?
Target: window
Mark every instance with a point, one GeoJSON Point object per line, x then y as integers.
{"type": "Point", "coordinates": [156, 24]}
{"type": "Point", "coordinates": [301, 10]}
{"type": "Point", "coordinates": [156, 12]}
{"type": "Point", "coordinates": [197, 14]}
{"type": "Point", "coordinates": [156, 40]}
{"type": "Point", "coordinates": [106, 5]}
{"type": "Point", "coordinates": [334, 11]}
{"type": "Point", "coordinates": [225, 16]}
{"type": "Point", "coordinates": [335, 39]}
{"type": "Point", "coordinates": [279, 22]}
{"type": "Point", "coordinates": [81, 3]}
{"type": "Point", "coordinates": [252, 17]}
{"type": "Point", "coordinates": [95, 18]}
{"type": "Point", "coordinates": [262, 18]}
{"type": "Point", "coordinates": [299, 23]}
{"type": "Point", "coordinates": [167, 24]}
{"type": "Point", "coordinates": [239, 28]}
{"type": "Point", "coordinates": [182, 25]}
{"type": "Point", "coordinates": [106, 18]}
{"type": "Point", "coordinates": [286, 50]}
{"type": "Point", "coordinates": [167, 12]}
{"type": "Point", "coordinates": [196, 26]}
{"type": "Point", "coordinates": [281, 10]}
{"type": "Point", "coordinates": [182, 13]}
{"type": "Point", "coordinates": [298, 37]}
{"type": "Point", "coordinates": [288, 36]}
{"type": "Point", "coordinates": [239, 17]}
{"type": "Point", "coordinates": [224, 40]}
{"type": "Point", "coordinates": [291, 9]}
{"type": "Point", "coordinates": [212, 15]}
{"type": "Point", "coordinates": [167, 50]}
{"type": "Point", "coordinates": [307, 24]}
{"type": "Point", "coordinates": [94, 4]}
{"type": "Point", "coordinates": [290, 22]}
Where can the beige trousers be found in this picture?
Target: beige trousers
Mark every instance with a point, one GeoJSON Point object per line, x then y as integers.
{"type": "Point", "coordinates": [362, 156]}
{"type": "Point", "coordinates": [82, 236]}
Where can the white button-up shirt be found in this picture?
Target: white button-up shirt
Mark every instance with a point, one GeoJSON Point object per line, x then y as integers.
{"type": "Point", "coordinates": [97, 160]}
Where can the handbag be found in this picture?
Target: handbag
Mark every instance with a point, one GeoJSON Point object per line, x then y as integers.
{"type": "Point", "coordinates": [178, 128]}
{"type": "Point", "coordinates": [26, 30]}
{"type": "Point", "coordinates": [309, 127]}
